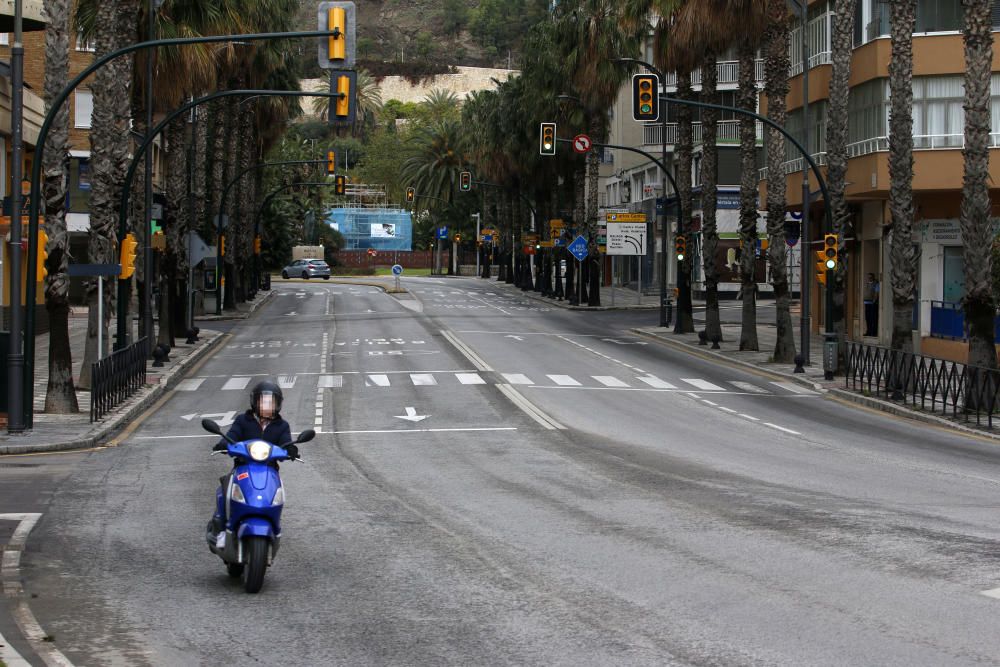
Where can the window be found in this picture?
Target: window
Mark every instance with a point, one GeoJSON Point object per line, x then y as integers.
{"type": "Point", "coordinates": [83, 103]}
{"type": "Point", "coordinates": [817, 130]}
{"type": "Point", "coordinates": [938, 116]}
{"type": "Point", "coordinates": [5, 38]}
{"type": "Point", "coordinates": [867, 111]}
{"type": "Point", "coordinates": [939, 15]}
{"type": "Point", "coordinates": [85, 45]}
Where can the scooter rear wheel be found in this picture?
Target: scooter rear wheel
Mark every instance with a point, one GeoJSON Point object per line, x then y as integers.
{"type": "Point", "coordinates": [256, 565]}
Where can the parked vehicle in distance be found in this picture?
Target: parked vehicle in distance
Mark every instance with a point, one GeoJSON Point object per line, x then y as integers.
{"type": "Point", "coordinates": [306, 269]}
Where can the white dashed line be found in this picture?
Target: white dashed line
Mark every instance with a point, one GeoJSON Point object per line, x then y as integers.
{"type": "Point", "coordinates": [708, 402]}
{"type": "Point", "coordinates": [782, 428]}
{"type": "Point", "coordinates": [729, 410]}
{"type": "Point", "coordinates": [751, 418]}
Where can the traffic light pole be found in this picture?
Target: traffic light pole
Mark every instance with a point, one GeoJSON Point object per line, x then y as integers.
{"type": "Point", "coordinates": [17, 357]}
{"type": "Point", "coordinates": [24, 390]}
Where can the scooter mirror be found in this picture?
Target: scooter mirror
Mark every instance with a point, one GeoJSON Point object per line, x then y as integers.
{"type": "Point", "coordinates": [306, 435]}
{"type": "Point", "coordinates": [211, 426]}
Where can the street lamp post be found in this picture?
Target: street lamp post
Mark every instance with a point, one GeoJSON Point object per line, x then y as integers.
{"type": "Point", "coordinates": [804, 236]}
{"type": "Point", "coordinates": [16, 422]}
{"type": "Point", "coordinates": [147, 253]}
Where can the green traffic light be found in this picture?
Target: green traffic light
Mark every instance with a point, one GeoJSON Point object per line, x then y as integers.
{"type": "Point", "coordinates": [646, 108]}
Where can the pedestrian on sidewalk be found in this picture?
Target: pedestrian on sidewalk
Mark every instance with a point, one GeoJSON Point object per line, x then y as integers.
{"type": "Point", "coordinates": [871, 292]}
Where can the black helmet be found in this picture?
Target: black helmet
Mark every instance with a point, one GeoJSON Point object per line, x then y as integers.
{"type": "Point", "coordinates": [265, 400]}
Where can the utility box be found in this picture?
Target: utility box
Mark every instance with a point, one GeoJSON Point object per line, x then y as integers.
{"type": "Point", "coordinates": [307, 252]}
{"type": "Point", "coordinates": [830, 354]}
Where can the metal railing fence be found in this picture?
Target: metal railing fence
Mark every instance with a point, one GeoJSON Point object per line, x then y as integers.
{"type": "Point", "coordinates": [953, 389]}
{"type": "Point", "coordinates": [116, 377]}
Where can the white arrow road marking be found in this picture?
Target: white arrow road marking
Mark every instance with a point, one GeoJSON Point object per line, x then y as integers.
{"type": "Point", "coordinates": [190, 416]}
{"type": "Point", "coordinates": [412, 416]}
{"type": "Point", "coordinates": [514, 337]}
{"type": "Point", "coordinates": [221, 418]}
{"type": "Point", "coordinates": [291, 313]}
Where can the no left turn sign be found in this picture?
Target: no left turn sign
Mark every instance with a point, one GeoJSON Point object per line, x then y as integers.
{"type": "Point", "coordinates": [581, 143]}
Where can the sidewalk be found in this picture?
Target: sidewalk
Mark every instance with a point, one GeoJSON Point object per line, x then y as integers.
{"type": "Point", "coordinates": [54, 432]}
{"type": "Point", "coordinates": [760, 362]}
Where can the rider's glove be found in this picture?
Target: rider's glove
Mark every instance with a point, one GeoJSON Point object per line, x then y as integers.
{"type": "Point", "coordinates": [220, 447]}
{"type": "Point", "coordinates": [293, 451]}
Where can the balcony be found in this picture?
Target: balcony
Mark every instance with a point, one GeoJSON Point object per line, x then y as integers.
{"type": "Point", "coordinates": [728, 133]}
{"type": "Point", "coordinates": [728, 73]}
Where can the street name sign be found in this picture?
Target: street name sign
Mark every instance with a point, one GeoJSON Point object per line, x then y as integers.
{"type": "Point", "coordinates": [626, 217]}
{"type": "Point", "coordinates": [626, 238]}
{"type": "Point", "coordinates": [578, 248]}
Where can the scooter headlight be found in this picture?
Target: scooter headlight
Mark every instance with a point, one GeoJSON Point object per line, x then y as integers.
{"type": "Point", "coordinates": [259, 450]}
{"type": "Point", "coordinates": [279, 496]}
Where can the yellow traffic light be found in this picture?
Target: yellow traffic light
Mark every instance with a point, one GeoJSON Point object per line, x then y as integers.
{"type": "Point", "coordinates": [331, 162]}
{"type": "Point", "coordinates": [40, 270]}
{"type": "Point", "coordinates": [410, 194]}
{"type": "Point", "coordinates": [336, 19]}
{"type": "Point", "coordinates": [830, 251]}
{"type": "Point", "coordinates": [340, 185]}
{"type": "Point", "coordinates": [256, 245]}
{"type": "Point", "coordinates": [547, 143]}
{"type": "Point", "coordinates": [127, 256]}
{"type": "Point", "coordinates": [645, 97]}
{"type": "Point", "coordinates": [680, 247]}
{"type": "Point", "coordinates": [222, 245]}
{"type": "Point", "coordinates": [343, 106]}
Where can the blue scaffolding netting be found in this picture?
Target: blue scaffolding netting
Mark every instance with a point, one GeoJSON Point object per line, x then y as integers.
{"type": "Point", "coordinates": [379, 228]}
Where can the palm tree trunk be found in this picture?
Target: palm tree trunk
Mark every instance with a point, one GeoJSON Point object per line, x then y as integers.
{"type": "Point", "coordinates": [228, 171]}
{"type": "Point", "coordinates": [685, 148]}
{"type": "Point", "coordinates": [842, 43]}
{"type": "Point", "coordinates": [776, 88]}
{"type": "Point", "coordinates": [901, 252]}
{"type": "Point", "coordinates": [709, 188]}
{"type": "Point", "coordinates": [598, 126]}
{"type": "Point", "coordinates": [60, 395]}
{"type": "Point", "coordinates": [579, 222]}
{"type": "Point", "coordinates": [109, 151]}
{"type": "Point", "coordinates": [977, 233]}
{"type": "Point", "coordinates": [747, 99]}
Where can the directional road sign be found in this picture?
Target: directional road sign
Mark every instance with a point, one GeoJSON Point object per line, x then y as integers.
{"type": "Point", "coordinates": [578, 248]}
{"type": "Point", "coordinates": [397, 269]}
{"type": "Point", "coordinates": [442, 232]}
{"type": "Point", "coordinates": [626, 238]}
{"type": "Point", "coordinates": [626, 217]}
{"type": "Point", "coordinates": [582, 143]}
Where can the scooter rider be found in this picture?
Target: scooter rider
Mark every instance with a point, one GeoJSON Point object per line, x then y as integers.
{"type": "Point", "coordinates": [261, 422]}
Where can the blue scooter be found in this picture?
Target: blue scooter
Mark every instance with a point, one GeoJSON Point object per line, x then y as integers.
{"type": "Point", "coordinates": [253, 499]}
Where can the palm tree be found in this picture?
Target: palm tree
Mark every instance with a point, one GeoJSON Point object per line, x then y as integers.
{"type": "Point", "coordinates": [747, 99]}
{"type": "Point", "coordinates": [776, 88]}
{"type": "Point", "coordinates": [60, 396]}
{"type": "Point", "coordinates": [902, 19]}
{"type": "Point", "coordinates": [977, 234]}
{"type": "Point", "coordinates": [841, 43]}
{"type": "Point", "coordinates": [109, 148]}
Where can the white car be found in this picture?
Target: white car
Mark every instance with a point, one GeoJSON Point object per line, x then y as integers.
{"type": "Point", "coordinates": [306, 269]}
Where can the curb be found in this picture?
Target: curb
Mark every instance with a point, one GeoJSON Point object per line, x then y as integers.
{"type": "Point", "coordinates": [346, 280]}
{"type": "Point", "coordinates": [881, 405]}
{"type": "Point", "coordinates": [137, 404]}
{"type": "Point", "coordinates": [531, 294]}
{"type": "Point", "coordinates": [241, 316]}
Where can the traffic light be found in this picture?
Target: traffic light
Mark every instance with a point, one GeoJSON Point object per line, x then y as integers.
{"type": "Point", "coordinates": [645, 97]}
{"type": "Point", "coordinates": [256, 245]}
{"type": "Point", "coordinates": [340, 184]}
{"type": "Point", "coordinates": [337, 51]}
{"type": "Point", "coordinates": [222, 245]}
{"type": "Point", "coordinates": [343, 103]}
{"type": "Point", "coordinates": [547, 139]}
{"type": "Point", "coordinates": [466, 181]}
{"type": "Point", "coordinates": [830, 251]}
{"type": "Point", "coordinates": [680, 247]}
{"type": "Point", "coordinates": [331, 162]}
{"type": "Point", "coordinates": [411, 194]}
{"type": "Point", "coordinates": [127, 256]}
{"type": "Point", "coordinates": [40, 270]}
{"type": "Point", "coordinates": [458, 238]}
{"type": "Point", "coordinates": [336, 20]}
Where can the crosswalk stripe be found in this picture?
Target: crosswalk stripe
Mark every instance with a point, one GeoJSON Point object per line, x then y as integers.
{"type": "Point", "coordinates": [609, 381]}
{"type": "Point", "coordinates": [563, 380]}
{"type": "Point", "coordinates": [516, 378]}
{"type": "Point", "coordinates": [331, 381]}
{"type": "Point", "coordinates": [702, 384]}
{"type": "Point", "coordinates": [377, 381]}
{"type": "Point", "coordinates": [423, 379]}
{"type": "Point", "coordinates": [655, 382]}
{"type": "Point", "coordinates": [287, 381]}
{"type": "Point", "coordinates": [470, 378]}
{"type": "Point", "coordinates": [190, 385]}
{"type": "Point", "coordinates": [746, 386]}
{"type": "Point", "coordinates": [236, 383]}
{"type": "Point", "coordinates": [794, 388]}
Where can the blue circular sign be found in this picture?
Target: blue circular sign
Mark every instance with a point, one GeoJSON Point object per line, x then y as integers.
{"type": "Point", "coordinates": [396, 269]}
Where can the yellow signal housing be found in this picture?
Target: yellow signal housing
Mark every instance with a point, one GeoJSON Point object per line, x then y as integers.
{"type": "Point", "coordinates": [339, 185]}
{"type": "Point", "coordinates": [222, 245]}
{"type": "Point", "coordinates": [344, 101]}
{"type": "Point", "coordinates": [127, 256]}
{"type": "Point", "coordinates": [331, 162]}
{"type": "Point", "coordinates": [40, 270]}
{"type": "Point", "coordinates": [410, 194]}
{"type": "Point", "coordinates": [256, 245]}
{"type": "Point", "coordinates": [336, 19]}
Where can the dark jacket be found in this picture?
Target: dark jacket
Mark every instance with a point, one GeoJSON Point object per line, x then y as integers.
{"type": "Point", "coordinates": [246, 427]}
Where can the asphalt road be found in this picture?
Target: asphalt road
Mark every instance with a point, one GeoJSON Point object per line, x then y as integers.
{"type": "Point", "coordinates": [498, 481]}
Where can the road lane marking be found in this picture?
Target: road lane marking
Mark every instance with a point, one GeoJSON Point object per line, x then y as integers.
{"type": "Point", "coordinates": [516, 378]}
{"type": "Point", "coordinates": [331, 381]}
{"type": "Point", "coordinates": [189, 385]}
{"type": "Point", "coordinates": [526, 406]}
{"type": "Point", "coordinates": [466, 351]}
{"type": "Point", "coordinates": [423, 430]}
{"type": "Point", "coordinates": [376, 380]}
{"type": "Point", "coordinates": [423, 379]}
{"type": "Point", "coordinates": [747, 386]}
{"type": "Point", "coordinates": [609, 381]}
{"type": "Point", "coordinates": [750, 417]}
{"type": "Point", "coordinates": [286, 381]}
{"type": "Point", "coordinates": [470, 378]}
{"type": "Point", "coordinates": [992, 593]}
{"type": "Point", "coordinates": [236, 383]}
{"type": "Point", "coordinates": [781, 428]}
{"type": "Point", "coordinates": [729, 410]}
{"type": "Point", "coordinates": [655, 382]}
{"type": "Point", "coordinates": [710, 403]}
{"type": "Point", "coordinates": [702, 384]}
{"type": "Point", "coordinates": [563, 380]}
{"type": "Point", "coordinates": [794, 388]}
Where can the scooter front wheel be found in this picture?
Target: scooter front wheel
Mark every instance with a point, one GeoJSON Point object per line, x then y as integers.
{"type": "Point", "coordinates": [256, 565]}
